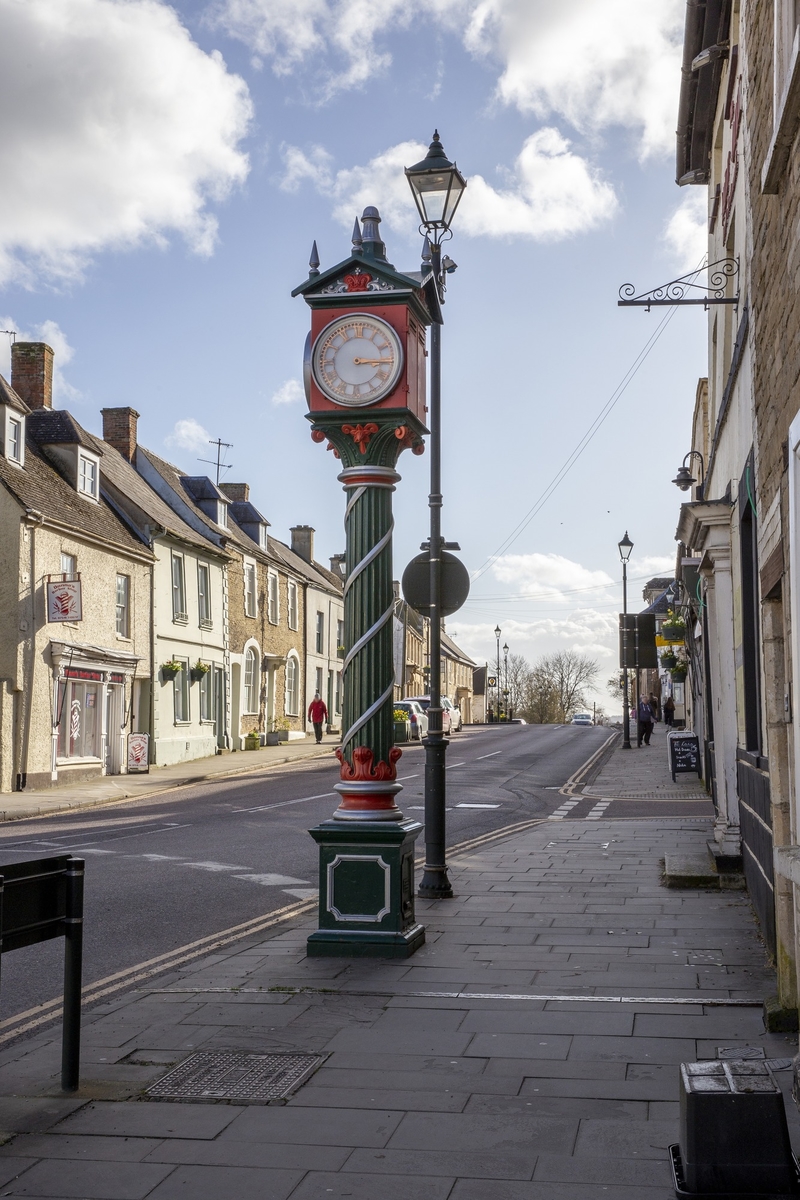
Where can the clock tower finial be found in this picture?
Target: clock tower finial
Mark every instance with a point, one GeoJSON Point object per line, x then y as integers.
{"type": "Point", "coordinates": [373, 247]}
{"type": "Point", "coordinates": [313, 262]}
{"type": "Point", "coordinates": [357, 238]}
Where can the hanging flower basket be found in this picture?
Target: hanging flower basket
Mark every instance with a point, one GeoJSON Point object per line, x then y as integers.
{"type": "Point", "coordinates": [669, 660]}
{"type": "Point", "coordinates": [170, 669]}
{"type": "Point", "coordinates": [199, 670]}
{"type": "Point", "coordinates": [679, 673]}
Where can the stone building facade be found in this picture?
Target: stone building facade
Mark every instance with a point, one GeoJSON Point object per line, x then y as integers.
{"type": "Point", "coordinates": [75, 654]}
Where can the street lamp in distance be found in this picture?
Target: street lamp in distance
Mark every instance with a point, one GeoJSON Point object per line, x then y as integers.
{"type": "Point", "coordinates": [505, 679]}
{"type": "Point", "coordinates": [625, 547]}
{"type": "Point", "coordinates": [437, 186]}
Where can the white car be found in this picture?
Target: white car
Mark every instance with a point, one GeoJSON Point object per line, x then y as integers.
{"type": "Point", "coordinates": [582, 719]}
{"type": "Point", "coordinates": [417, 717]}
{"type": "Point", "coordinates": [425, 703]}
{"type": "Point", "coordinates": [455, 714]}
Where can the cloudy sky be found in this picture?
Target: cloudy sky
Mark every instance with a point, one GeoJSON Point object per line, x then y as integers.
{"type": "Point", "coordinates": [166, 168]}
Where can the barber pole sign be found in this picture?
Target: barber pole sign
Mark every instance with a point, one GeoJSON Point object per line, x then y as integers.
{"type": "Point", "coordinates": [138, 757]}
{"type": "Point", "coordinates": [64, 600]}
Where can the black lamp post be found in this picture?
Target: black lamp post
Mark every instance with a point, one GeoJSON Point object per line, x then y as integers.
{"type": "Point", "coordinates": [437, 186]}
{"type": "Point", "coordinates": [625, 547]}
{"type": "Point", "coordinates": [497, 633]}
{"type": "Point", "coordinates": [505, 677]}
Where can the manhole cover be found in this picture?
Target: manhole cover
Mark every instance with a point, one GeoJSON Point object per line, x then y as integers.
{"type": "Point", "coordinates": [228, 1075]}
{"type": "Point", "coordinates": [740, 1053]}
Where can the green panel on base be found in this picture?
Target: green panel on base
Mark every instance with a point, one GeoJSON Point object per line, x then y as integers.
{"type": "Point", "coordinates": [366, 889]}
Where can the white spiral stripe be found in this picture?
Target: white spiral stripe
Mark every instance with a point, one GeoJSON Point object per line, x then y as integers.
{"type": "Point", "coordinates": [368, 636]}
{"type": "Point", "coordinates": [351, 503]}
{"type": "Point", "coordinates": [367, 716]}
{"type": "Point", "coordinates": [368, 558]}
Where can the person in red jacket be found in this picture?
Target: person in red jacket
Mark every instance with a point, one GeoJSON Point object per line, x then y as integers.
{"type": "Point", "coordinates": [317, 715]}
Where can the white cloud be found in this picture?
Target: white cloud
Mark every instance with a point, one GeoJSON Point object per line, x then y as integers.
{"type": "Point", "coordinates": [189, 434]}
{"type": "Point", "coordinates": [290, 392]}
{"type": "Point", "coordinates": [123, 129]}
{"type": "Point", "coordinates": [595, 65]}
{"type": "Point", "coordinates": [549, 576]}
{"type": "Point", "coordinates": [585, 630]}
{"type": "Point", "coordinates": [51, 333]}
{"type": "Point", "coordinates": [652, 565]}
{"type": "Point", "coordinates": [551, 193]}
{"type": "Point", "coordinates": [686, 233]}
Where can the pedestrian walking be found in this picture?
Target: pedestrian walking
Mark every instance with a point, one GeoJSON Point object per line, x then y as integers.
{"type": "Point", "coordinates": [317, 715]}
{"type": "Point", "coordinates": [644, 722]}
{"type": "Point", "coordinates": [669, 710]}
{"type": "Point", "coordinates": [654, 706]}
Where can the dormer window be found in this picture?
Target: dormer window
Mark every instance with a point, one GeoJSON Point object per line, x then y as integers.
{"type": "Point", "coordinates": [222, 514]}
{"type": "Point", "coordinates": [88, 475]}
{"type": "Point", "coordinates": [262, 536]}
{"type": "Point", "coordinates": [15, 437]}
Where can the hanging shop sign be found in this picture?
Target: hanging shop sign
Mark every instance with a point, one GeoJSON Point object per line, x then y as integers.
{"type": "Point", "coordinates": [64, 600]}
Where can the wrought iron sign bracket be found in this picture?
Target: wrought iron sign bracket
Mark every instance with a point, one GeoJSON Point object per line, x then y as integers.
{"type": "Point", "coordinates": [684, 290]}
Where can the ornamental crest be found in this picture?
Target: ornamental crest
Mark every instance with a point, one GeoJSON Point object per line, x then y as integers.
{"type": "Point", "coordinates": [357, 280]}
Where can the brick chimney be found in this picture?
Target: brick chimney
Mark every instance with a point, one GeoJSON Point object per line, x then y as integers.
{"type": "Point", "coordinates": [337, 565]}
{"type": "Point", "coordinates": [239, 493]}
{"type": "Point", "coordinates": [119, 430]}
{"type": "Point", "coordinates": [32, 373]}
{"type": "Point", "coordinates": [303, 541]}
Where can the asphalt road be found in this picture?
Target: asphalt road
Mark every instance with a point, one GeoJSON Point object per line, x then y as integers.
{"type": "Point", "coordinates": [163, 872]}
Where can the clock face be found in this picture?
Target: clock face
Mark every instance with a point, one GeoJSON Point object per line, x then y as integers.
{"type": "Point", "coordinates": [357, 360]}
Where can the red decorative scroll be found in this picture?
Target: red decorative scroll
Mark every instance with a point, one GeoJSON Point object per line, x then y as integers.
{"type": "Point", "coordinates": [362, 769]}
{"type": "Point", "coordinates": [358, 283]}
{"type": "Point", "coordinates": [361, 434]}
{"type": "Point", "coordinates": [317, 435]}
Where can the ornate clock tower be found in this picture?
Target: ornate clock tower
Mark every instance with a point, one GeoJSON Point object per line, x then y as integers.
{"type": "Point", "coordinates": [364, 374]}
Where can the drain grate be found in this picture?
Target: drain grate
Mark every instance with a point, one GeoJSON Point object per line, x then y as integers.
{"type": "Point", "coordinates": [229, 1075]}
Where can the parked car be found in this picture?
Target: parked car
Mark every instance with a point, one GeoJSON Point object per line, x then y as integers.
{"type": "Point", "coordinates": [455, 714]}
{"type": "Point", "coordinates": [417, 717]}
{"type": "Point", "coordinates": [518, 721]}
{"type": "Point", "coordinates": [582, 719]}
{"type": "Point", "coordinates": [425, 702]}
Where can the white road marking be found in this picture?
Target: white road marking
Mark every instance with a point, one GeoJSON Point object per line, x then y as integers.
{"type": "Point", "coordinates": [598, 810]}
{"type": "Point", "coordinates": [563, 811]}
{"type": "Point", "coordinates": [450, 766]}
{"type": "Point", "coordinates": [302, 893]}
{"type": "Point", "coordinates": [269, 880]}
{"type": "Point", "coordinates": [477, 806]}
{"type": "Point", "coordinates": [480, 756]}
{"type": "Point", "coordinates": [420, 808]}
{"type": "Point", "coordinates": [157, 857]}
{"type": "Point", "coordinates": [283, 803]}
{"type": "Point", "coordinates": [216, 866]}
{"type": "Point", "coordinates": [400, 778]}
{"type": "Point", "coordinates": [91, 850]}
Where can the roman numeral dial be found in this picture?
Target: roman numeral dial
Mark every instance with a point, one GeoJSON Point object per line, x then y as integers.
{"type": "Point", "coordinates": [357, 360]}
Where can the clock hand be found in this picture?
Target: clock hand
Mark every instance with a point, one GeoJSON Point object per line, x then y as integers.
{"type": "Point", "coordinates": [373, 362]}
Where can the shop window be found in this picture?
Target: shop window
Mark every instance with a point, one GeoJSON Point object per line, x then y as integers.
{"type": "Point", "coordinates": [181, 693]}
{"type": "Point", "coordinates": [79, 722]}
{"type": "Point", "coordinates": [251, 681]}
{"type": "Point", "coordinates": [206, 697]}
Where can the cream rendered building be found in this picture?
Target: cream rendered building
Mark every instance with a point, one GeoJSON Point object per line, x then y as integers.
{"type": "Point", "coordinates": [324, 629]}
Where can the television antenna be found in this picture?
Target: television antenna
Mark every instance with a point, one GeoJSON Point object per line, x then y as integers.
{"type": "Point", "coordinates": [217, 462]}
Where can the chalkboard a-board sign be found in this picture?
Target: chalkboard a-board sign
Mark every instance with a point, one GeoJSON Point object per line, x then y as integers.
{"type": "Point", "coordinates": [684, 754]}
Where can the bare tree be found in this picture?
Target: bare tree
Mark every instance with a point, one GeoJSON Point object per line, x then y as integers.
{"type": "Point", "coordinates": [572, 674]}
{"type": "Point", "coordinates": [614, 687]}
{"type": "Point", "coordinates": [519, 670]}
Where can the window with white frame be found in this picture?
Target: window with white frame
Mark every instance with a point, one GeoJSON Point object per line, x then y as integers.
{"type": "Point", "coordinates": [292, 604]}
{"type": "Point", "coordinates": [337, 693]}
{"type": "Point", "coordinates": [292, 699]}
{"type": "Point", "coordinates": [274, 606]}
{"type": "Point", "coordinates": [250, 592]}
{"type": "Point", "coordinates": [69, 566]}
{"type": "Point", "coordinates": [787, 20]}
{"type": "Point", "coordinates": [88, 475]}
{"type": "Point", "coordinates": [262, 535]}
{"type": "Point", "coordinates": [251, 680]}
{"type": "Point", "coordinates": [178, 589]}
{"type": "Point", "coordinates": [15, 438]}
{"type": "Point", "coordinates": [78, 715]}
{"type": "Point", "coordinates": [206, 709]}
{"type": "Point", "coordinates": [204, 595]}
{"type": "Point", "coordinates": [181, 686]}
{"type": "Point", "coordinates": [123, 603]}
{"type": "Point", "coordinates": [318, 680]}
{"type": "Point", "coordinates": [319, 633]}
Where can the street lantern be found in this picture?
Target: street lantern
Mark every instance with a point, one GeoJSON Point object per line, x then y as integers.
{"type": "Point", "coordinates": [684, 478]}
{"type": "Point", "coordinates": [437, 186]}
{"type": "Point", "coordinates": [625, 547]}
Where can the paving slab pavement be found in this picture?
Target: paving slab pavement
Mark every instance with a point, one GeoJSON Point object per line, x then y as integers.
{"type": "Point", "coordinates": [529, 1051]}
{"type": "Point", "coordinates": [110, 789]}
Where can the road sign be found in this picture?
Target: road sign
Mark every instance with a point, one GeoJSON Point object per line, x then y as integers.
{"type": "Point", "coordinates": [492, 681]}
{"type": "Point", "coordinates": [454, 587]}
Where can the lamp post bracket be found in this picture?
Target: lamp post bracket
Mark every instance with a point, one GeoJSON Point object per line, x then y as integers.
{"type": "Point", "coordinates": [687, 289]}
